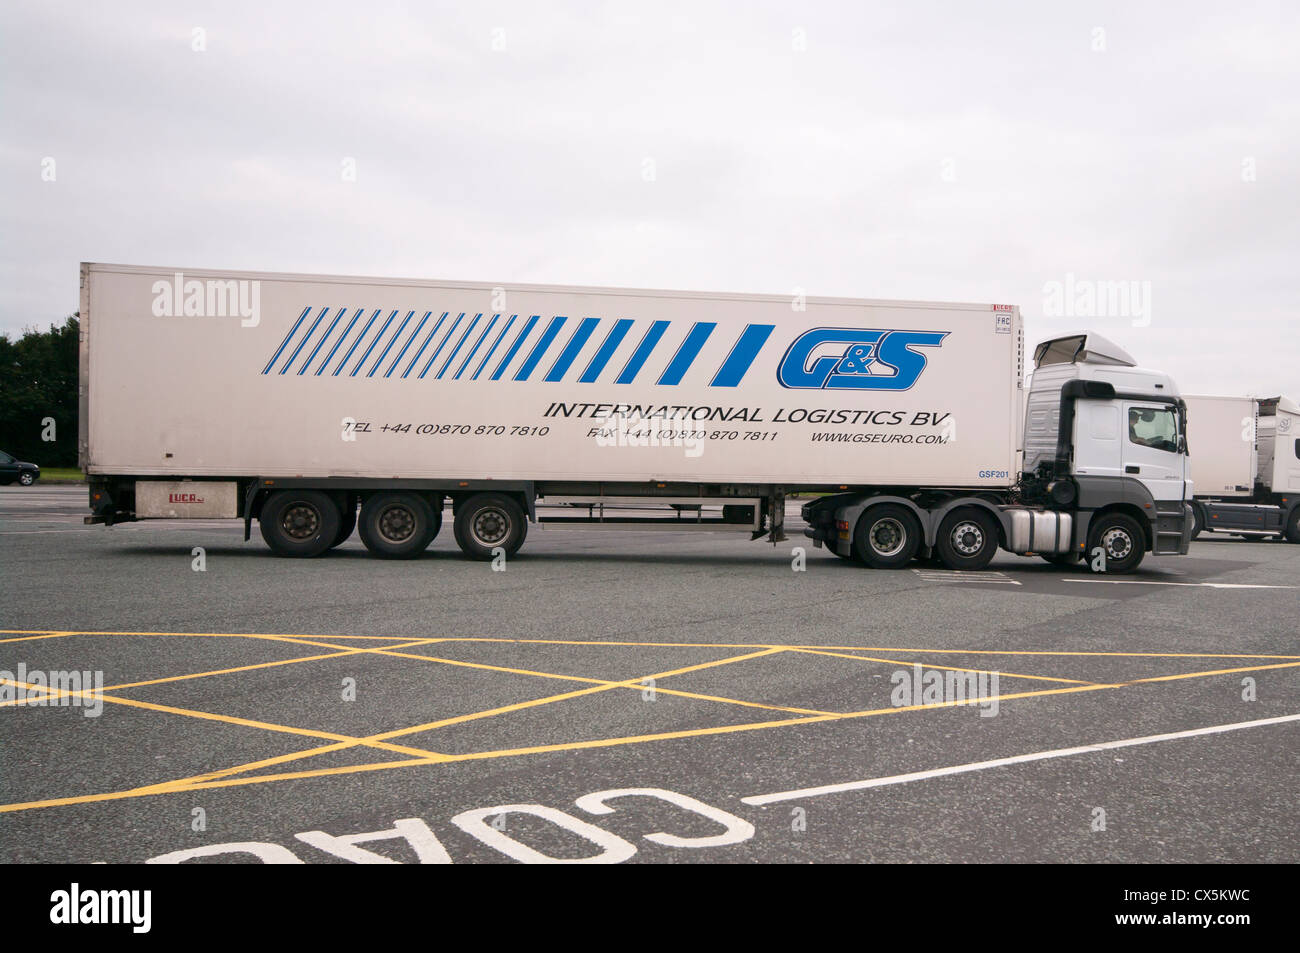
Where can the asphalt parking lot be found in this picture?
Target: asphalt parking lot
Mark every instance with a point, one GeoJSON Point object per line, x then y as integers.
{"type": "Point", "coordinates": [640, 696]}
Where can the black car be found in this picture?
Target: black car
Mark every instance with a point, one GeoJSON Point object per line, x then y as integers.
{"type": "Point", "coordinates": [11, 470]}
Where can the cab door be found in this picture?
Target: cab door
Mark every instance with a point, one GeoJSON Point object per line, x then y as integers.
{"type": "Point", "coordinates": [1151, 448]}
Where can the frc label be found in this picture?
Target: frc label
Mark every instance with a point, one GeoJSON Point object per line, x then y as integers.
{"type": "Point", "coordinates": [856, 359]}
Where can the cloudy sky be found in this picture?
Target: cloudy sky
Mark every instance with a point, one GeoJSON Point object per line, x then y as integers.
{"type": "Point", "coordinates": [994, 152]}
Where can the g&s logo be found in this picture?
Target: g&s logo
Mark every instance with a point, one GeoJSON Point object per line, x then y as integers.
{"type": "Point", "coordinates": [856, 359]}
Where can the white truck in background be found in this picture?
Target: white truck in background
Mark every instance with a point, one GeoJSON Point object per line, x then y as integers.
{"type": "Point", "coordinates": [315, 405]}
{"type": "Point", "coordinates": [1245, 465]}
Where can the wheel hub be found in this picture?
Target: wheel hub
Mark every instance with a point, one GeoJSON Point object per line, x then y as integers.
{"type": "Point", "coordinates": [397, 524]}
{"type": "Point", "coordinates": [300, 521]}
{"type": "Point", "coordinates": [1117, 544]}
{"type": "Point", "coordinates": [887, 537]}
{"type": "Point", "coordinates": [967, 538]}
{"type": "Point", "coordinates": [491, 526]}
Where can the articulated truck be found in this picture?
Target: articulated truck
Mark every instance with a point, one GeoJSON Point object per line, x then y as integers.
{"type": "Point", "coordinates": [316, 406]}
{"type": "Point", "coordinates": [1245, 465]}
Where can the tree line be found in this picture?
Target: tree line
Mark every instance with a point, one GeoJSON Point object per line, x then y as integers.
{"type": "Point", "coordinates": [38, 394]}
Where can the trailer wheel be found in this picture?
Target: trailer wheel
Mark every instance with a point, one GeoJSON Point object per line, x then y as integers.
{"type": "Point", "coordinates": [347, 522]}
{"type": "Point", "coordinates": [1120, 539]}
{"type": "Point", "coordinates": [887, 536]}
{"type": "Point", "coordinates": [299, 522]}
{"type": "Point", "coordinates": [1198, 520]}
{"type": "Point", "coordinates": [968, 539]}
{"type": "Point", "coordinates": [489, 521]}
{"type": "Point", "coordinates": [398, 525]}
{"type": "Point", "coordinates": [1293, 526]}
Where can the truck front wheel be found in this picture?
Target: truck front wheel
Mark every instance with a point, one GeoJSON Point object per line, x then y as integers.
{"type": "Point", "coordinates": [299, 522]}
{"type": "Point", "coordinates": [398, 525]}
{"type": "Point", "coordinates": [887, 537]}
{"type": "Point", "coordinates": [1198, 520]}
{"type": "Point", "coordinates": [967, 540]}
{"type": "Point", "coordinates": [487, 522]}
{"type": "Point", "coordinates": [1121, 542]}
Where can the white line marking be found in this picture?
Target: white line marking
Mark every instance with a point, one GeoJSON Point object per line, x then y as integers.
{"type": "Point", "coordinates": [1207, 585]}
{"type": "Point", "coordinates": [952, 575]}
{"type": "Point", "coordinates": [762, 799]}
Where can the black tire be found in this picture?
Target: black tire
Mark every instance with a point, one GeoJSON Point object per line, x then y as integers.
{"type": "Point", "coordinates": [968, 539]}
{"type": "Point", "coordinates": [1122, 540]}
{"type": "Point", "coordinates": [27, 478]}
{"type": "Point", "coordinates": [887, 536]}
{"type": "Point", "coordinates": [347, 522]}
{"type": "Point", "coordinates": [489, 521]}
{"type": "Point", "coordinates": [398, 525]}
{"type": "Point", "coordinates": [1198, 520]}
{"type": "Point", "coordinates": [1293, 526]}
{"type": "Point", "coordinates": [299, 522]}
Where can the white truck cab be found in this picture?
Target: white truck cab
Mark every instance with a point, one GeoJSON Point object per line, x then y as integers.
{"type": "Point", "coordinates": [1105, 436]}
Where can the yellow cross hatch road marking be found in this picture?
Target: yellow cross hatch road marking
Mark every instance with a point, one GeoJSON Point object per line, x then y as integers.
{"type": "Point", "coordinates": [343, 646]}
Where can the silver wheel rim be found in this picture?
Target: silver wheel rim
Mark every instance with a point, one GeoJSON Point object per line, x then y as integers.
{"type": "Point", "coordinates": [887, 537]}
{"type": "Point", "coordinates": [397, 523]}
{"type": "Point", "coordinates": [300, 521]}
{"type": "Point", "coordinates": [967, 538]}
{"type": "Point", "coordinates": [1116, 543]}
{"type": "Point", "coordinates": [26, 479]}
{"type": "Point", "coordinates": [490, 526]}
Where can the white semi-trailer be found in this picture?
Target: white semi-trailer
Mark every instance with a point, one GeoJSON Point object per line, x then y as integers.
{"type": "Point", "coordinates": [1245, 465]}
{"type": "Point", "coordinates": [316, 405]}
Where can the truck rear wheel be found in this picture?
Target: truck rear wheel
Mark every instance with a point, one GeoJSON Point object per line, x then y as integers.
{"type": "Point", "coordinates": [489, 521]}
{"type": "Point", "coordinates": [299, 522]}
{"type": "Point", "coordinates": [1121, 540]}
{"type": "Point", "coordinates": [398, 525]}
{"type": "Point", "coordinates": [968, 539]}
{"type": "Point", "coordinates": [887, 536]}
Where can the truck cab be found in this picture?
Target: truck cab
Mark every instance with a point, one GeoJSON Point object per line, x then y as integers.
{"type": "Point", "coordinates": [1105, 436]}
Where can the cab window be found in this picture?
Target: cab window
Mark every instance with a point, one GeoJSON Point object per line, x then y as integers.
{"type": "Point", "coordinates": [1150, 427]}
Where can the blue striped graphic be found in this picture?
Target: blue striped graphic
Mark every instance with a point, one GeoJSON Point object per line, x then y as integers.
{"type": "Point", "coordinates": [687, 353]}
{"type": "Point", "coordinates": [405, 347]}
{"type": "Point", "coordinates": [459, 344]}
{"type": "Point", "coordinates": [306, 337]}
{"type": "Point", "coordinates": [493, 349]}
{"type": "Point", "coordinates": [441, 344]}
{"type": "Point", "coordinates": [471, 341]}
{"type": "Point", "coordinates": [539, 349]}
{"type": "Point", "coordinates": [425, 344]}
{"type": "Point", "coordinates": [391, 341]}
{"type": "Point", "coordinates": [292, 331]}
{"type": "Point", "coordinates": [361, 337]}
{"type": "Point", "coordinates": [607, 349]}
{"type": "Point", "coordinates": [378, 337]}
{"type": "Point", "coordinates": [477, 344]}
{"type": "Point", "coordinates": [742, 355]}
{"type": "Point", "coordinates": [638, 358]}
{"type": "Point", "coordinates": [342, 337]}
{"type": "Point", "coordinates": [325, 337]}
{"type": "Point", "coordinates": [572, 349]}
{"type": "Point", "coordinates": [510, 354]}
